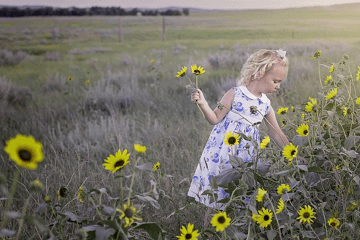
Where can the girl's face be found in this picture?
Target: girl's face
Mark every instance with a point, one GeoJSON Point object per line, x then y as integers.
{"type": "Point", "coordinates": [272, 79]}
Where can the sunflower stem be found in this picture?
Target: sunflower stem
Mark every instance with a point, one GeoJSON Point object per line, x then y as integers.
{"type": "Point", "coordinates": [272, 207]}
{"type": "Point", "coordinates": [11, 197]}
{"type": "Point", "coordinates": [23, 216]}
{"type": "Point", "coordinates": [320, 73]}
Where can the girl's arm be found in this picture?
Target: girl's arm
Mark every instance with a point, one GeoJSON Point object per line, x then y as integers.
{"type": "Point", "coordinates": [213, 116]}
{"type": "Point", "coordinates": [275, 132]}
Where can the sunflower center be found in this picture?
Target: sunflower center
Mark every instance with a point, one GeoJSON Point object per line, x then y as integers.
{"type": "Point", "coordinates": [119, 163]}
{"type": "Point", "coordinates": [232, 140]}
{"type": "Point", "coordinates": [128, 213]}
{"type": "Point", "coordinates": [305, 132]}
{"type": "Point", "coordinates": [25, 155]}
{"type": "Point", "coordinates": [221, 219]}
{"type": "Point", "coordinates": [293, 152]}
{"type": "Point", "coordinates": [197, 72]}
{"type": "Point", "coordinates": [188, 236]}
{"type": "Point", "coordinates": [266, 217]}
{"type": "Point", "coordinates": [333, 224]}
{"type": "Point", "coordinates": [306, 215]}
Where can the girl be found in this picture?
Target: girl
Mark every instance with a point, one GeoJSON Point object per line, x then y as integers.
{"type": "Point", "coordinates": [262, 74]}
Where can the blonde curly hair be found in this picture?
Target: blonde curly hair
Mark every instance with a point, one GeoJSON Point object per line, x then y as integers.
{"type": "Point", "coordinates": [259, 62]}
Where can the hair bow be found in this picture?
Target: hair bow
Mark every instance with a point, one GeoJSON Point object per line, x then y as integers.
{"type": "Point", "coordinates": [281, 53]}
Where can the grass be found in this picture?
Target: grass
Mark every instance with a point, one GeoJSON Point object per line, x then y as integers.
{"type": "Point", "coordinates": [131, 100]}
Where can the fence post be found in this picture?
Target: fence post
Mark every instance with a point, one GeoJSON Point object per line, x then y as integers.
{"type": "Point", "coordinates": [120, 33]}
{"type": "Point", "coordinates": [163, 29]}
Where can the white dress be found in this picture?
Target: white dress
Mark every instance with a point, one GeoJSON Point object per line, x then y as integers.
{"type": "Point", "coordinates": [216, 152]}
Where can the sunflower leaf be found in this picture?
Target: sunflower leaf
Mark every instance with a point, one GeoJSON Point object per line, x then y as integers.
{"type": "Point", "coordinates": [145, 167]}
{"type": "Point", "coordinates": [226, 176]}
{"type": "Point", "coordinates": [104, 233]}
{"type": "Point", "coordinates": [271, 234]}
{"type": "Point", "coordinates": [153, 229]}
{"type": "Point", "coordinates": [351, 141]}
{"type": "Point", "coordinates": [150, 200]}
{"type": "Point", "coordinates": [6, 233]}
{"type": "Point", "coordinates": [303, 167]}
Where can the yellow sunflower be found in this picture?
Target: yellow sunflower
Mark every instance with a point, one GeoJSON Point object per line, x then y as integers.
{"type": "Point", "coordinates": [188, 233]}
{"type": "Point", "coordinates": [47, 199]}
{"type": "Point", "coordinates": [303, 130]}
{"type": "Point", "coordinates": [353, 205]}
{"type": "Point", "coordinates": [197, 70]}
{"type": "Point", "coordinates": [331, 94]}
{"type": "Point", "coordinates": [282, 110]}
{"type": "Point", "coordinates": [62, 192]}
{"type": "Point", "coordinates": [333, 222]}
{"type": "Point", "coordinates": [70, 79]}
{"type": "Point", "coordinates": [346, 110]}
{"type": "Point", "coordinates": [264, 217]}
{"type": "Point", "coordinates": [36, 185]}
{"type": "Point", "coordinates": [182, 72]}
{"type": "Point", "coordinates": [265, 142]}
{"type": "Point", "coordinates": [128, 213]}
{"type": "Point", "coordinates": [306, 214]}
{"type": "Point", "coordinates": [231, 139]}
{"type": "Point", "coordinates": [357, 101]}
{"type": "Point", "coordinates": [25, 151]}
{"type": "Point", "coordinates": [316, 55]}
{"type": "Point", "coordinates": [260, 195]}
{"type": "Point", "coordinates": [220, 221]}
{"type": "Point", "coordinates": [290, 151]}
{"type": "Point", "coordinates": [117, 162]}
{"type": "Point", "coordinates": [358, 74]}
{"type": "Point", "coordinates": [156, 166]}
{"type": "Point", "coordinates": [81, 194]}
{"type": "Point", "coordinates": [283, 188]}
{"type": "Point", "coordinates": [292, 109]}
{"type": "Point", "coordinates": [280, 207]}
{"type": "Point", "coordinates": [139, 148]}
{"type": "Point", "coordinates": [328, 78]}
{"type": "Point", "coordinates": [310, 105]}
{"type": "Point", "coordinates": [331, 69]}
{"type": "Point", "coordinates": [283, 122]}
{"type": "Point", "coordinates": [87, 82]}
{"type": "Point", "coordinates": [152, 60]}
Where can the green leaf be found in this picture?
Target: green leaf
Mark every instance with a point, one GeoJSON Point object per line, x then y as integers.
{"type": "Point", "coordinates": [351, 141]}
{"type": "Point", "coordinates": [303, 167]}
{"type": "Point", "coordinates": [102, 233]}
{"type": "Point", "coordinates": [72, 217]}
{"type": "Point", "coordinates": [316, 169]}
{"type": "Point", "coordinates": [357, 180]}
{"type": "Point", "coordinates": [153, 229]}
{"type": "Point", "coordinates": [271, 234]}
{"type": "Point", "coordinates": [227, 176]}
{"type": "Point", "coordinates": [6, 233]}
{"type": "Point", "coordinates": [259, 179]}
{"type": "Point", "coordinates": [300, 140]}
{"type": "Point", "coordinates": [150, 200]}
{"type": "Point", "coordinates": [235, 161]}
{"type": "Point", "coordinates": [145, 167]}
{"type": "Point", "coordinates": [108, 210]}
{"type": "Point", "coordinates": [287, 196]}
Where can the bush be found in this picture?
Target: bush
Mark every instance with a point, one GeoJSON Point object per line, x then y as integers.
{"type": "Point", "coordinates": [10, 58]}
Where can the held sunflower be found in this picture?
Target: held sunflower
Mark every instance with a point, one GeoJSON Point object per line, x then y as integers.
{"type": "Point", "coordinates": [188, 233]}
{"type": "Point", "coordinates": [128, 213]}
{"type": "Point", "coordinates": [25, 151]}
{"type": "Point", "coordinates": [220, 221]}
{"type": "Point", "coordinates": [303, 130]}
{"type": "Point", "coordinates": [306, 214]}
{"type": "Point", "coordinates": [182, 72]}
{"type": "Point", "coordinates": [117, 162]}
{"type": "Point", "coordinates": [333, 222]}
{"type": "Point", "coordinates": [197, 70]}
{"type": "Point", "coordinates": [265, 142]}
{"type": "Point", "coordinates": [231, 139]}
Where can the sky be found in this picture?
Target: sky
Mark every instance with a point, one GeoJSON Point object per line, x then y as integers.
{"type": "Point", "coordinates": [204, 4]}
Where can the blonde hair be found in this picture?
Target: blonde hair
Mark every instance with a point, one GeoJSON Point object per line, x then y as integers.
{"type": "Point", "coordinates": [259, 63]}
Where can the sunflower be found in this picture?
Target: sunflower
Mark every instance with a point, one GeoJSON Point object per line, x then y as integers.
{"type": "Point", "coordinates": [316, 55]}
{"type": "Point", "coordinates": [281, 206]}
{"type": "Point", "coordinates": [220, 221]}
{"type": "Point", "coordinates": [188, 233]}
{"type": "Point", "coordinates": [231, 139]}
{"type": "Point", "coordinates": [292, 109]}
{"type": "Point", "coordinates": [331, 69]}
{"type": "Point", "coordinates": [333, 222]}
{"type": "Point", "coordinates": [80, 195]}
{"type": "Point", "coordinates": [346, 110]}
{"type": "Point", "coordinates": [260, 195]}
{"type": "Point", "coordinates": [70, 79]}
{"type": "Point", "coordinates": [331, 94]}
{"type": "Point", "coordinates": [328, 78]}
{"type": "Point", "coordinates": [264, 142]}
{"type": "Point", "coordinates": [264, 217]}
{"type": "Point", "coordinates": [282, 110]}
{"type": "Point", "coordinates": [353, 205]}
{"type": "Point", "coordinates": [357, 101]}
{"type": "Point", "coordinates": [310, 105]}
{"type": "Point", "coordinates": [25, 151]}
{"type": "Point", "coordinates": [182, 72]}
{"type": "Point", "coordinates": [306, 214]}
{"type": "Point", "coordinates": [87, 82]}
{"type": "Point", "coordinates": [62, 192]}
{"type": "Point", "coordinates": [128, 213]}
{"type": "Point", "coordinates": [36, 185]}
{"type": "Point", "coordinates": [283, 122]}
{"type": "Point", "coordinates": [197, 70]}
{"type": "Point", "coordinates": [156, 166]}
{"type": "Point", "coordinates": [283, 188]}
{"type": "Point", "coordinates": [290, 151]}
{"type": "Point", "coordinates": [117, 162]}
{"type": "Point", "coordinates": [152, 60]}
{"type": "Point", "coordinates": [47, 199]}
{"type": "Point", "coordinates": [303, 130]}
{"type": "Point", "coordinates": [139, 148]}
{"type": "Point", "coordinates": [358, 74]}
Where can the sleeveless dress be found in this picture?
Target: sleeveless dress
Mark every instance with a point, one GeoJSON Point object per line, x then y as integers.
{"type": "Point", "coordinates": [215, 156]}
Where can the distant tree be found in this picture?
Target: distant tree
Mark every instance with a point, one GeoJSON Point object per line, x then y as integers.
{"type": "Point", "coordinates": [133, 12]}
{"type": "Point", "coordinates": [186, 11]}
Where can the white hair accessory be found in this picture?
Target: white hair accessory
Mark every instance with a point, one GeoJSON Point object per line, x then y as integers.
{"type": "Point", "coordinates": [281, 53]}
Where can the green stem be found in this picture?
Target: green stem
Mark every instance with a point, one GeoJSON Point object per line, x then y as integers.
{"type": "Point", "coordinates": [320, 73]}
{"type": "Point", "coordinates": [23, 216]}
{"type": "Point", "coordinates": [272, 207]}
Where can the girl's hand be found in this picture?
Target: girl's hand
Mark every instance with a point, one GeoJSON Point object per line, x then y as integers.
{"type": "Point", "coordinates": [198, 97]}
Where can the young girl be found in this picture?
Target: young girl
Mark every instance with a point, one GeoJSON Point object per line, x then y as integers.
{"type": "Point", "coordinates": [262, 74]}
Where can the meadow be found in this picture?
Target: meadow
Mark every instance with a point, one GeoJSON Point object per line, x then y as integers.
{"type": "Point", "coordinates": [72, 85]}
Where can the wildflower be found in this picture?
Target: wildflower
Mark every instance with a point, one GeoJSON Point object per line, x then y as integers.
{"type": "Point", "coordinates": [188, 233]}
{"type": "Point", "coordinates": [331, 69]}
{"type": "Point", "coordinates": [182, 72]}
{"type": "Point", "coordinates": [197, 70]}
{"type": "Point", "coordinates": [36, 185]}
{"type": "Point", "coordinates": [47, 199]}
{"type": "Point", "coordinates": [303, 130]}
{"type": "Point", "coordinates": [80, 195]}
{"type": "Point", "coordinates": [328, 78]}
{"type": "Point", "coordinates": [264, 217]}
{"type": "Point", "coordinates": [283, 122]}
{"type": "Point", "coordinates": [333, 222]}
{"type": "Point", "coordinates": [261, 194]}
{"type": "Point", "coordinates": [331, 94]}
{"type": "Point", "coordinates": [139, 148]}
{"type": "Point", "coordinates": [353, 205]}
{"type": "Point", "coordinates": [316, 54]}
{"type": "Point", "coordinates": [358, 74]}
{"type": "Point", "coordinates": [24, 151]}
{"type": "Point", "coordinates": [280, 207]}
{"type": "Point", "coordinates": [156, 166]}
{"type": "Point", "coordinates": [292, 109]}
{"type": "Point", "coordinates": [357, 101]}
{"type": "Point", "coordinates": [70, 79]}
{"type": "Point", "coordinates": [264, 142]}
{"type": "Point", "coordinates": [128, 213]}
{"type": "Point", "coordinates": [346, 110]}
{"type": "Point", "coordinates": [306, 214]}
{"type": "Point", "coordinates": [152, 60]}
{"type": "Point", "coordinates": [290, 151]}
{"type": "Point", "coordinates": [62, 192]}
{"type": "Point", "coordinates": [282, 110]}
{"type": "Point", "coordinates": [310, 105]}
{"type": "Point", "coordinates": [337, 167]}
{"type": "Point", "coordinates": [283, 188]}
{"type": "Point", "coordinates": [231, 139]}
{"type": "Point", "coordinates": [87, 82]}
{"type": "Point", "coordinates": [220, 221]}
{"type": "Point", "coordinates": [117, 162]}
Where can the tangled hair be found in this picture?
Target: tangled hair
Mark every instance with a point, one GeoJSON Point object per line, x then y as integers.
{"type": "Point", "coordinates": [259, 63]}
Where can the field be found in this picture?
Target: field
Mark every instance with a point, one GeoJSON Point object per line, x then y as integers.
{"type": "Point", "coordinates": [72, 85]}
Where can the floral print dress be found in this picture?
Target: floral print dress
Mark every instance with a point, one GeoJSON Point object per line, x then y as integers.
{"type": "Point", "coordinates": [215, 156]}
